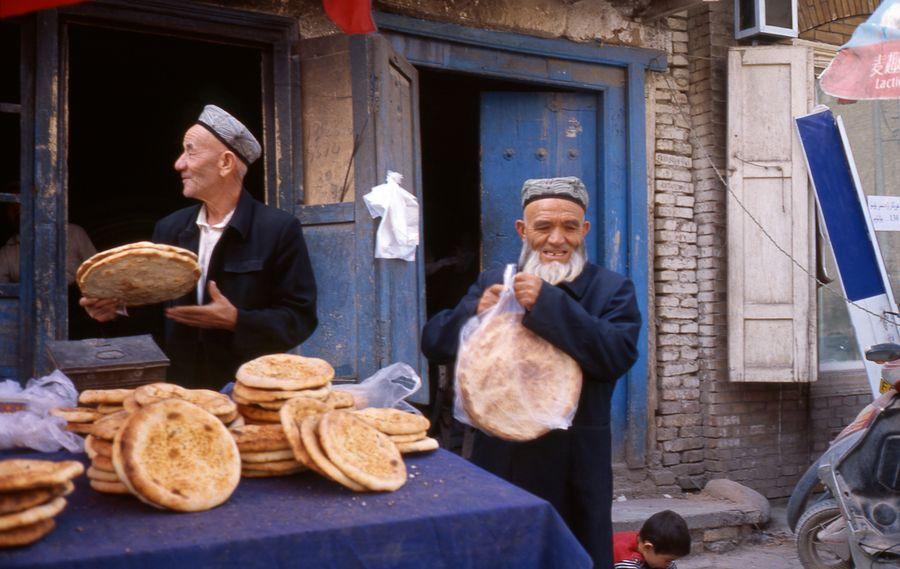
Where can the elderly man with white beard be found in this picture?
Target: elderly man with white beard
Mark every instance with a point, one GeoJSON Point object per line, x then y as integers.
{"type": "Point", "coordinates": [586, 311]}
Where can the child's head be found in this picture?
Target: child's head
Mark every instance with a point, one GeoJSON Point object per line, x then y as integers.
{"type": "Point", "coordinates": [663, 538]}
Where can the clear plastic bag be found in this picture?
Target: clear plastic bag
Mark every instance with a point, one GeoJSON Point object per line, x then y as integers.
{"type": "Point", "coordinates": [510, 382]}
{"type": "Point", "coordinates": [388, 388]}
{"type": "Point", "coordinates": [34, 427]}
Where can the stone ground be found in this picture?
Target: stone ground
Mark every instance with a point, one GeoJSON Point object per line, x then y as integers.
{"type": "Point", "coordinates": [772, 548]}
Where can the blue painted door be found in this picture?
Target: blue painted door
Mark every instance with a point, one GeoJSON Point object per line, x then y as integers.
{"type": "Point", "coordinates": [540, 135]}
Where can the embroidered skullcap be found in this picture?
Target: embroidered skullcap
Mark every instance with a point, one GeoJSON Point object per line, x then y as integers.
{"type": "Point", "coordinates": [230, 132]}
{"type": "Point", "coordinates": [567, 188]}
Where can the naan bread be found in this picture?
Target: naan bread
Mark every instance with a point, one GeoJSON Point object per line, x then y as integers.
{"type": "Point", "coordinates": [94, 473]}
{"type": "Point", "coordinates": [340, 400]}
{"type": "Point", "coordinates": [23, 535]}
{"type": "Point", "coordinates": [267, 456]}
{"type": "Point", "coordinates": [25, 473]}
{"type": "Point", "coordinates": [32, 515]}
{"type": "Point", "coordinates": [393, 421]}
{"type": "Point", "coordinates": [408, 438]}
{"type": "Point", "coordinates": [107, 427]}
{"type": "Point", "coordinates": [424, 445]}
{"type": "Point", "coordinates": [103, 396]}
{"type": "Point", "coordinates": [259, 438]}
{"type": "Point", "coordinates": [308, 431]}
{"type": "Point", "coordinates": [360, 451]}
{"type": "Point", "coordinates": [138, 276]}
{"type": "Point", "coordinates": [285, 372]}
{"type": "Point", "coordinates": [76, 414]}
{"type": "Point", "coordinates": [291, 416]}
{"type": "Point", "coordinates": [211, 401]}
{"type": "Point", "coordinates": [110, 487]}
{"type": "Point", "coordinates": [513, 384]}
{"type": "Point", "coordinates": [16, 501]}
{"type": "Point", "coordinates": [259, 396]}
{"type": "Point", "coordinates": [175, 455]}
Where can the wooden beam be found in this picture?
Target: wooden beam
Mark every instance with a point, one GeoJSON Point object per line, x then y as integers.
{"type": "Point", "coordinates": [661, 8]}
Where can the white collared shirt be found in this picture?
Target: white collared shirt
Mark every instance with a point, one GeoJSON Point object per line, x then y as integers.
{"type": "Point", "coordinates": [209, 237]}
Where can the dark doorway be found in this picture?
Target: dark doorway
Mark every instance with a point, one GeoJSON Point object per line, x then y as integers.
{"type": "Point", "coordinates": [131, 96]}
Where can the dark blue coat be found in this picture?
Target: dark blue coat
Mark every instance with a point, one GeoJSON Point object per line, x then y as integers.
{"type": "Point", "coordinates": [595, 320]}
{"type": "Point", "coordinates": [262, 266]}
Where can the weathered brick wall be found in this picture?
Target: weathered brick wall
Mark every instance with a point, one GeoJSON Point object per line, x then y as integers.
{"type": "Point", "coordinates": [832, 21]}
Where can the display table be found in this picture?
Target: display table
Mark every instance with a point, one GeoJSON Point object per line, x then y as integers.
{"type": "Point", "coordinates": [449, 514]}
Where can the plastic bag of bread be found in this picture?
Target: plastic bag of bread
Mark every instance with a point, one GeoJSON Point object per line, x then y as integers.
{"type": "Point", "coordinates": [510, 382]}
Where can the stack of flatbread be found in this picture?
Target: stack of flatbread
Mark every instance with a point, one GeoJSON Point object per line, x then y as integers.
{"type": "Point", "coordinates": [139, 273]}
{"type": "Point", "coordinates": [512, 383]}
{"type": "Point", "coordinates": [262, 386]}
{"type": "Point", "coordinates": [213, 402]}
{"type": "Point", "coordinates": [407, 430]}
{"type": "Point", "coordinates": [98, 446]}
{"type": "Point", "coordinates": [174, 455]}
{"type": "Point", "coordinates": [31, 495]}
{"type": "Point", "coordinates": [94, 404]}
{"type": "Point", "coordinates": [265, 451]}
{"type": "Point", "coordinates": [342, 447]}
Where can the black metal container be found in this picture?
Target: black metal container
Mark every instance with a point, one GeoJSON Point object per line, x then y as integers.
{"type": "Point", "coordinates": [110, 363]}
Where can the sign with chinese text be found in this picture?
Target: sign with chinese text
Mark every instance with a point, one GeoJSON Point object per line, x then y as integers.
{"type": "Point", "coordinates": [868, 66]}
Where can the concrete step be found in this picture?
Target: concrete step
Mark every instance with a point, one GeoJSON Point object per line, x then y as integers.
{"type": "Point", "coordinates": [717, 525]}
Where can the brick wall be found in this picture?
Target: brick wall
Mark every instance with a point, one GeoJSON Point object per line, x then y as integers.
{"type": "Point", "coordinates": [832, 21]}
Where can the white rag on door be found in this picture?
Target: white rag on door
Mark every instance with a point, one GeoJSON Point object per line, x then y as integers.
{"type": "Point", "coordinates": [398, 232]}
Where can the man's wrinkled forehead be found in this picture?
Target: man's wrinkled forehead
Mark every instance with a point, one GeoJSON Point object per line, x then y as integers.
{"type": "Point", "coordinates": [198, 138]}
{"type": "Point", "coordinates": [553, 208]}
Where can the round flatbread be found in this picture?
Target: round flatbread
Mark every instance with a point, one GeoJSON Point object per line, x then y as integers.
{"type": "Point", "coordinates": [408, 438]}
{"type": "Point", "coordinates": [107, 427]}
{"type": "Point", "coordinates": [76, 414]}
{"type": "Point", "coordinates": [177, 456]}
{"type": "Point", "coordinates": [103, 463]}
{"type": "Point", "coordinates": [138, 276]}
{"type": "Point", "coordinates": [25, 473]}
{"type": "Point", "coordinates": [103, 396]}
{"type": "Point", "coordinates": [259, 438]}
{"type": "Point", "coordinates": [340, 399]}
{"type": "Point", "coordinates": [258, 414]}
{"type": "Point", "coordinates": [94, 473]}
{"type": "Point", "coordinates": [285, 372]}
{"type": "Point", "coordinates": [424, 445]}
{"type": "Point", "coordinates": [24, 535]}
{"type": "Point", "coordinates": [80, 428]}
{"type": "Point", "coordinates": [394, 421]}
{"type": "Point", "coordinates": [32, 515]}
{"type": "Point", "coordinates": [129, 404]}
{"type": "Point", "coordinates": [267, 456]}
{"type": "Point", "coordinates": [19, 500]}
{"type": "Point", "coordinates": [291, 415]}
{"type": "Point", "coordinates": [110, 487]}
{"type": "Point", "coordinates": [513, 384]}
{"type": "Point", "coordinates": [98, 447]}
{"type": "Point", "coordinates": [361, 451]}
{"type": "Point", "coordinates": [213, 402]}
{"type": "Point", "coordinates": [317, 456]}
{"type": "Point", "coordinates": [274, 466]}
{"type": "Point", "coordinates": [255, 395]}
{"type": "Point", "coordinates": [109, 409]}
{"type": "Point", "coordinates": [79, 274]}
{"type": "Point", "coordinates": [250, 473]}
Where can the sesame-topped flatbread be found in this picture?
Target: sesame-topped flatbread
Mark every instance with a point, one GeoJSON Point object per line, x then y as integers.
{"type": "Point", "coordinates": [393, 421]}
{"type": "Point", "coordinates": [259, 438]}
{"type": "Point", "coordinates": [211, 401]}
{"type": "Point", "coordinates": [23, 535]}
{"type": "Point", "coordinates": [76, 414]}
{"type": "Point", "coordinates": [107, 427]}
{"type": "Point", "coordinates": [268, 456]}
{"type": "Point", "coordinates": [324, 466]}
{"type": "Point", "coordinates": [175, 455]}
{"type": "Point", "coordinates": [285, 372]}
{"type": "Point", "coordinates": [292, 415]}
{"type": "Point", "coordinates": [19, 500]}
{"type": "Point", "coordinates": [513, 384]}
{"type": "Point", "coordinates": [255, 395]}
{"type": "Point", "coordinates": [141, 275]}
{"type": "Point", "coordinates": [340, 399]}
{"type": "Point", "coordinates": [424, 445]}
{"type": "Point", "coordinates": [33, 515]}
{"type": "Point", "coordinates": [25, 473]}
{"type": "Point", "coordinates": [103, 396]}
{"type": "Point", "coordinates": [361, 451]}
{"type": "Point", "coordinates": [87, 264]}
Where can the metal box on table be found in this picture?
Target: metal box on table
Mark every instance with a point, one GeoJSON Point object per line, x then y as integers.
{"type": "Point", "coordinates": [110, 363]}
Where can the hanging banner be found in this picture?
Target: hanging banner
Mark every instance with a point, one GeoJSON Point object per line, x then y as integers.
{"type": "Point", "coordinates": [849, 229]}
{"type": "Point", "coordinates": [868, 66]}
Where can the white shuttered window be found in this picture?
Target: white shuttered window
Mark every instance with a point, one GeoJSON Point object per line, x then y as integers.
{"type": "Point", "coordinates": [771, 302]}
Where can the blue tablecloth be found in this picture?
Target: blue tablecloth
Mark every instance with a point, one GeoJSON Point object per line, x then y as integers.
{"type": "Point", "coordinates": [450, 514]}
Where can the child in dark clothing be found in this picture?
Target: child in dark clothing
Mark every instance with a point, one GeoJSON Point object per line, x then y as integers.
{"type": "Point", "coordinates": [663, 538]}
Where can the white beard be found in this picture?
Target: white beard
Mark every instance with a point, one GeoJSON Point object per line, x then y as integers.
{"type": "Point", "coordinates": [553, 272]}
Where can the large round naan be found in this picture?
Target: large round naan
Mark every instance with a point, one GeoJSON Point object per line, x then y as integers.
{"type": "Point", "coordinates": [514, 384]}
{"type": "Point", "coordinates": [285, 372]}
{"type": "Point", "coordinates": [140, 275]}
{"type": "Point", "coordinates": [173, 454]}
{"type": "Point", "coordinates": [363, 453]}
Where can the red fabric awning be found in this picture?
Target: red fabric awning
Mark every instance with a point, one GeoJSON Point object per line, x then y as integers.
{"type": "Point", "coordinates": [9, 8]}
{"type": "Point", "coordinates": [351, 16]}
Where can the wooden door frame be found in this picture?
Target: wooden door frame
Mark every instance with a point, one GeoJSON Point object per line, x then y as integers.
{"type": "Point", "coordinates": [616, 75]}
{"type": "Point", "coordinates": [43, 300]}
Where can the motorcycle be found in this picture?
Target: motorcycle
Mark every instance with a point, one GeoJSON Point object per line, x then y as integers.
{"type": "Point", "coordinates": [854, 523]}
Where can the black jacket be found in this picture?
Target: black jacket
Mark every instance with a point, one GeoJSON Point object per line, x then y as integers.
{"type": "Point", "coordinates": [262, 266]}
{"type": "Point", "coordinates": [594, 319]}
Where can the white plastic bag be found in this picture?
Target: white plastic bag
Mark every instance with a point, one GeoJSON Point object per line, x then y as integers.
{"type": "Point", "coordinates": [35, 427]}
{"type": "Point", "coordinates": [388, 388]}
{"type": "Point", "coordinates": [510, 382]}
{"type": "Point", "coordinates": [398, 232]}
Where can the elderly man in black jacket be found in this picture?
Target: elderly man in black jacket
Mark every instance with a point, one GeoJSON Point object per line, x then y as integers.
{"type": "Point", "coordinates": [257, 293]}
{"type": "Point", "coordinates": [586, 311]}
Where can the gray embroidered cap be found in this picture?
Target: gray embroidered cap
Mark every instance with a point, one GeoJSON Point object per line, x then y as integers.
{"type": "Point", "coordinates": [567, 188]}
{"type": "Point", "coordinates": [230, 132]}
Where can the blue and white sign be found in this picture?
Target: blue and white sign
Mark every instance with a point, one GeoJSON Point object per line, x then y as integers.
{"type": "Point", "coordinates": [851, 233]}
